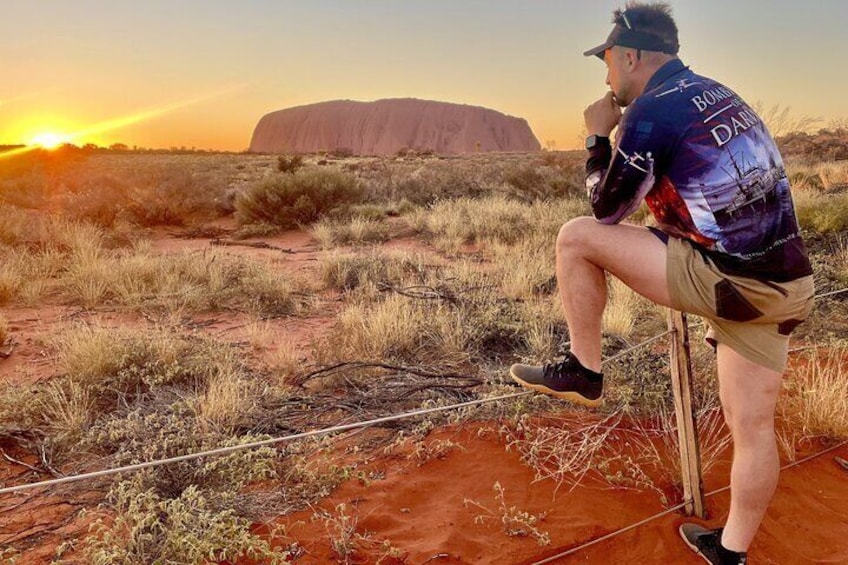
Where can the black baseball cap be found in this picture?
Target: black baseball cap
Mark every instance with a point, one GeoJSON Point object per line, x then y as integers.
{"type": "Point", "coordinates": [626, 36]}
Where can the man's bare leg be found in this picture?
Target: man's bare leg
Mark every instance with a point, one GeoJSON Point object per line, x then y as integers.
{"type": "Point", "coordinates": [585, 249]}
{"type": "Point", "coordinates": [748, 397]}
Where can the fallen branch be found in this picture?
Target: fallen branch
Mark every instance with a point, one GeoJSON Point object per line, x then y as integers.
{"type": "Point", "coordinates": [419, 291]}
{"type": "Point", "coordinates": [18, 462]}
{"type": "Point", "coordinates": [254, 244]}
{"type": "Point", "coordinates": [327, 371]}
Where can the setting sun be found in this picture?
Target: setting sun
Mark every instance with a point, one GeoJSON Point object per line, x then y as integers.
{"type": "Point", "coordinates": [50, 140]}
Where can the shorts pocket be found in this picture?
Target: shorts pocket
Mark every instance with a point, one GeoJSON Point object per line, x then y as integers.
{"type": "Point", "coordinates": [732, 305]}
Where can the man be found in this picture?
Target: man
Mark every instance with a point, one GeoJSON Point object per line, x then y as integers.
{"type": "Point", "coordinates": [728, 247]}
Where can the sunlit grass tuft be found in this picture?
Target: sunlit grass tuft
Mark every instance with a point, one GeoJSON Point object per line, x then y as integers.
{"type": "Point", "coordinates": [817, 396]}
{"type": "Point", "coordinates": [622, 309]}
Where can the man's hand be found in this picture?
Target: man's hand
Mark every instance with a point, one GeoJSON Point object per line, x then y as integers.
{"type": "Point", "coordinates": [602, 116]}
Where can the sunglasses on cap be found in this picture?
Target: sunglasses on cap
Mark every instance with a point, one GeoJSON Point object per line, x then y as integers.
{"type": "Point", "coordinates": [626, 36]}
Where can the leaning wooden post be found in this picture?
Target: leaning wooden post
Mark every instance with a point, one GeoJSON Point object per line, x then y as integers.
{"type": "Point", "coordinates": [687, 430]}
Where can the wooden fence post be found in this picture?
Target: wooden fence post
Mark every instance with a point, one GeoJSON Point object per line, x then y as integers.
{"type": "Point", "coordinates": [687, 431]}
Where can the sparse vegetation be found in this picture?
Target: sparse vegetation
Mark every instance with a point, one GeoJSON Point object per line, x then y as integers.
{"type": "Point", "coordinates": [164, 351]}
{"type": "Point", "coordinates": [77, 267]}
{"type": "Point", "coordinates": [519, 523]}
{"type": "Point", "coordinates": [297, 199]}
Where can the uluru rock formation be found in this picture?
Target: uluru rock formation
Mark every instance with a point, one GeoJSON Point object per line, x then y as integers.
{"type": "Point", "coordinates": [387, 126]}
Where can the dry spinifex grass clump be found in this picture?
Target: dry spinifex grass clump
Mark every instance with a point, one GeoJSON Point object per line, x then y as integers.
{"type": "Point", "coordinates": [356, 231]}
{"type": "Point", "coordinates": [493, 219]}
{"type": "Point", "coordinates": [820, 195]}
{"type": "Point", "coordinates": [816, 400]}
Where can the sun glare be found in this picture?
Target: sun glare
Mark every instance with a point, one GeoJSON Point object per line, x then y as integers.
{"type": "Point", "coordinates": [49, 140]}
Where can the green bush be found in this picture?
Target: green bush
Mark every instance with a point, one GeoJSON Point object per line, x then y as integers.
{"type": "Point", "coordinates": [299, 198]}
{"type": "Point", "coordinates": [286, 164]}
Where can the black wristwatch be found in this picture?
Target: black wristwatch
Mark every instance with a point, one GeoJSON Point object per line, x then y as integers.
{"type": "Point", "coordinates": [594, 140]}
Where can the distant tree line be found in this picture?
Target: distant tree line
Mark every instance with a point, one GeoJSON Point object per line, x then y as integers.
{"type": "Point", "coordinates": [828, 144]}
{"type": "Point", "coordinates": [69, 148]}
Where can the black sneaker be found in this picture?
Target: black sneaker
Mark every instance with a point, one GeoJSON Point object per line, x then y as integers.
{"type": "Point", "coordinates": [567, 379]}
{"type": "Point", "coordinates": [707, 544]}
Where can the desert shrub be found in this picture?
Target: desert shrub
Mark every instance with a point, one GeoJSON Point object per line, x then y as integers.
{"type": "Point", "coordinates": [11, 281]}
{"type": "Point", "coordinates": [289, 164]}
{"type": "Point", "coordinates": [544, 332]}
{"type": "Point", "coordinates": [833, 175]}
{"type": "Point", "coordinates": [841, 262]}
{"type": "Point", "coordinates": [172, 195]}
{"type": "Point", "coordinates": [622, 309]}
{"type": "Point", "coordinates": [186, 512]}
{"type": "Point", "coordinates": [265, 292]}
{"type": "Point", "coordinates": [102, 371]}
{"type": "Point", "coordinates": [515, 522]}
{"type": "Point", "coordinates": [104, 192]}
{"type": "Point", "coordinates": [526, 178]}
{"type": "Point", "coordinates": [398, 330]}
{"type": "Point", "coordinates": [299, 198]}
{"type": "Point", "coordinates": [342, 152]}
{"type": "Point", "coordinates": [153, 432]}
{"type": "Point", "coordinates": [371, 211]}
{"type": "Point", "coordinates": [261, 229]}
{"type": "Point", "coordinates": [423, 183]}
{"type": "Point", "coordinates": [190, 529]}
{"type": "Point", "coordinates": [805, 179]}
{"type": "Point", "coordinates": [4, 330]}
{"type": "Point", "coordinates": [826, 144]}
{"type": "Point", "coordinates": [101, 199]}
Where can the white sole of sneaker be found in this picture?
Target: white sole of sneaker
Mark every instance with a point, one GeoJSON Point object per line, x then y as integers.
{"type": "Point", "coordinates": [692, 547]}
{"type": "Point", "coordinates": [575, 397]}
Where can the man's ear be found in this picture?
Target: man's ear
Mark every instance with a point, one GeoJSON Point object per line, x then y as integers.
{"type": "Point", "coordinates": [632, 58]}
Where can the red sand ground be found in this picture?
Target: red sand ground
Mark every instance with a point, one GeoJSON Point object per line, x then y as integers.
{"type": "Point", "coordinates": [421, 511]}
{"type": "Point", "coordinates": [420, 508]}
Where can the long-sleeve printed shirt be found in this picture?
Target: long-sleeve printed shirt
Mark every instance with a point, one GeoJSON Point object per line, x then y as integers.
{"type": "Point", "coordinates": [709, 171]}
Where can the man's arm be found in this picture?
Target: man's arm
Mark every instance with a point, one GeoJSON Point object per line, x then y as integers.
{"type": "Point", "coordinates": [618, 177]}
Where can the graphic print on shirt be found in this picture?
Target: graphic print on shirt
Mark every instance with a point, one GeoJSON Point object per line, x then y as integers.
{"type": "Point", "coordinates": [738, 190]}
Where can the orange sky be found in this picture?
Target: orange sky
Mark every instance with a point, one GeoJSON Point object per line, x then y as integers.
{"type": "Point", "coordinates": [201, 74]}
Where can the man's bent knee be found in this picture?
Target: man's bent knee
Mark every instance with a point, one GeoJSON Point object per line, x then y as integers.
{"type": "Point", "coordinates": [572, 235]}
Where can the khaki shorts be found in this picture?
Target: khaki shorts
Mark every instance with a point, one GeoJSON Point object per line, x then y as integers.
{"type": "Point", "coordinates": [752, 317]}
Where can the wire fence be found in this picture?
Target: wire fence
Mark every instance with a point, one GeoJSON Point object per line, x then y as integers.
{"type": "Point", "coordinates": [302, 435]}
